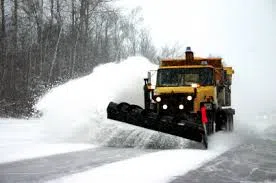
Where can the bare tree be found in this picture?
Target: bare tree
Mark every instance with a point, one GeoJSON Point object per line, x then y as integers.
{"type": "Point", "coordinates": [51, 41]}
{"type": "Point", "coordinates": [34, 11]}
{"type": "Point", "coordinates": [58, 14]}
{"type": "Point", "coordinates": [147, 49]}
{"type": "Point", "coordinates": [55, 57]}
{"type": "Point", "coordinates": [3, 24]}
{"type": "Point", "coordinates": [52, 12]}
{"type": "Point", "coordinates": [175, 50]}
{"type": "Point", "coordinates": [15, 24]}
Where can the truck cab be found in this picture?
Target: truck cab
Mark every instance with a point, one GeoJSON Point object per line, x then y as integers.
{"type": "Point", "coordinates": [181, 89]}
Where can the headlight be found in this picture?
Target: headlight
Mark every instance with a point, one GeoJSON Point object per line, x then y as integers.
{"type": "Point", "coordinates": [181, 106]}
{"type": "Point", "coordinates": [165, 106]}
{"type": "Point", "coordinates": [158, 99]}
{"type": "Point", "coordinates": [189, 98]}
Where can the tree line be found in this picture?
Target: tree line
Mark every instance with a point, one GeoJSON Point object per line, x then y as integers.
{"type": "Point", "coordinates": [47, 42]}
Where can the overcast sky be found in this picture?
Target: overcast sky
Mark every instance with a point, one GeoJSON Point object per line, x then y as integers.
{"type": "Point", "coordinates": [243, 32]}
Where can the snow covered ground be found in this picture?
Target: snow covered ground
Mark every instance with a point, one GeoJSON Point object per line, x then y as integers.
{"type": "Point", "coordinates": [157, 167]}
{"type": "Point", "coordinates": [22, 139]}
{"type": "Point", "coordinates": [74, 119]}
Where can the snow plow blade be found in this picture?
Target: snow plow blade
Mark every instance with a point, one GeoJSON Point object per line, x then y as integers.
{"type": "Point", "coordinates": [135, 115]}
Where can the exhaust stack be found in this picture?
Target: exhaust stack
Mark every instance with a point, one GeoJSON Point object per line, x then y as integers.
{"type": "Point", "coordinates": [189, 54]}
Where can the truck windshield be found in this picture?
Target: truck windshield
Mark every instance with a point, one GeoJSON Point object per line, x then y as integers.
{"type": "Point", "coordinates": [185, 77]}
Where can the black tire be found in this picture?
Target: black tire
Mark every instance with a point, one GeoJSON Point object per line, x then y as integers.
{"type": "Point", "coordinates": [205, 141]}
{"type": "Point", "coordinates": [219, 121]}
{"type": "Point", "coordinates": [229, 123]}
{"type": "Point", "coordinates": [213, 121]}
{"type": "Point", "coordinates": [210, 128]}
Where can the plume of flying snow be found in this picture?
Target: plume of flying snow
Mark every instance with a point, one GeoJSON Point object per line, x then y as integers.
{"type": "Point", "coordinates": [76, 111]}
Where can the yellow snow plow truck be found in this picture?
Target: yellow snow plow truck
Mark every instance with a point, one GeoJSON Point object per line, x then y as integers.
{"type": "Point", "coordinates": [191, 99]}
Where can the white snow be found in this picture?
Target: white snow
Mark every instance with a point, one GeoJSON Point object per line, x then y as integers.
{"type": "Point", "coordinates": [156, 167]}
{"type": "Point", "coordinates": [77, 109]}
{"type": "Point", "coordinates": [74, 118]}
{"type": "Point", "coordinates": [74, 114]}
{"type": "Point", "coordinates": [22, 139]}
{"type": "Point", "coordinates": [22, 151]}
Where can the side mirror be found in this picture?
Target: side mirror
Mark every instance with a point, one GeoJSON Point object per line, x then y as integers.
{"type": "Point", "coordinates": [195, 92]}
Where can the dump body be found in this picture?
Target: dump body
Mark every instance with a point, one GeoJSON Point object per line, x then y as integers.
{"type": "Point", "coordinates": [184, 86]}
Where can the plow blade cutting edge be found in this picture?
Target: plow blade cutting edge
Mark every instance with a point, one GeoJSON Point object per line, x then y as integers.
{"type": "Point", "coordinates": [135, 115]}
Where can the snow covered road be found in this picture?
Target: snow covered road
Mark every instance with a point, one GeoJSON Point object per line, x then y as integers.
{"type": "Point", "coordinates": [26, 156]}
{"type": "Point", "coordinates": [252, 161]}
{"type": "Point", "coordinates": [55, 166]}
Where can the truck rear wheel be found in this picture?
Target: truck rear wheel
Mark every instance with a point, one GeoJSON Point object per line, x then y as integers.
{"type": "Point", "coordinates": [211, 122]}
{"type": "Point", "coordinates": [229, 126]}
{"type": "Point", "coordinates": [230, 122]}
{"type": "Point", "coordinates": [220, 121]}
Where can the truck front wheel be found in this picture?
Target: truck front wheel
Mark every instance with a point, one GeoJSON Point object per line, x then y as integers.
{"type": "Point", "coordinates": [205, 141]}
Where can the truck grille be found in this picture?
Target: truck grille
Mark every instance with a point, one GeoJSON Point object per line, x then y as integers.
{"type": "Point", "coordinates": [173, 101]}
